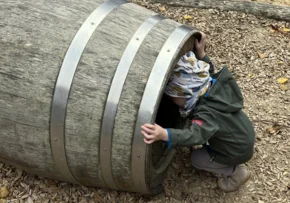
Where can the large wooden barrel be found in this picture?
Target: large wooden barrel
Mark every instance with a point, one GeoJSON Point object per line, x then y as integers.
{"type": "Point", "coordinates": [77, 80]}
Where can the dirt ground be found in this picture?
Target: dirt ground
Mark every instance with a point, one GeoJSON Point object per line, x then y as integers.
{"type": "Point", "coordinates": [257, 51]}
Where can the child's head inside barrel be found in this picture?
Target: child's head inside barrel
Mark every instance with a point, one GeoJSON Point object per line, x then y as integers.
{"type": "Point", "coordinates": [190, 80]}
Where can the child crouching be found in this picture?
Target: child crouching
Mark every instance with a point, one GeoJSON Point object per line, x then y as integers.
{"type": "Point", "coordinates": [214, 105]}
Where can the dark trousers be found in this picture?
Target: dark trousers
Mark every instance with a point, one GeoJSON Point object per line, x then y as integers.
{"type": "Point", "coordinates": [201, 160]}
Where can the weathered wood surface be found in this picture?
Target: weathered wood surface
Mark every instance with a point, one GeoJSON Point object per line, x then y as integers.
{"type": "Point", "coordinates": [34, 38]}
{"type": "Point", "coordinates": [261, 9]}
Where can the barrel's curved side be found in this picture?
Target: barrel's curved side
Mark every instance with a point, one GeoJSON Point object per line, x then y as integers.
{"type": "Point", "coordinates": [35, 36]}
{"type": "Point", "coordinates": [90, 88]}
{"type": "Point", "coordinates": [64, 82]}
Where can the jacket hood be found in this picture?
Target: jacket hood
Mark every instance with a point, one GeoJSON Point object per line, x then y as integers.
{"type": "Point", "coordinates": [225, 94]}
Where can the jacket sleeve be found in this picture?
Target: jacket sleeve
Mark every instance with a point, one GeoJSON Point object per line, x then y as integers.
{"type": "Point", "coordinates": [203, 127]}
{"type": "Point", "coordinates": [208, 60]}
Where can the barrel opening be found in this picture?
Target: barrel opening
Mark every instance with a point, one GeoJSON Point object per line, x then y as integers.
{"type": "Point", "coordinates": [168, 116]}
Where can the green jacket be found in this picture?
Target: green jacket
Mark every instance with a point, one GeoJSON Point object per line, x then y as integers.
{"type": "Point", "coordinates": [218, 120]}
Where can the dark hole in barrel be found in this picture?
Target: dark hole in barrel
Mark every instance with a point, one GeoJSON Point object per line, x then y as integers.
{"type": "Point", "coordinates": [168, 117]}
{"type": "Point", "coordinates": [168, 112]}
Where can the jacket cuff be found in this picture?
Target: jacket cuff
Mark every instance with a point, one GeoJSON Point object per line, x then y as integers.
{"type": "Point", "coordinates": [174, 137]}
{"type": "Point", "coordinates": [169, 138]}
{"type": "Point", "coordinates": [206, 59]}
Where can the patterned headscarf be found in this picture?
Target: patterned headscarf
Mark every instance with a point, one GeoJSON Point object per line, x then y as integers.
{"type": "Point", "coordinates": [190, 80]}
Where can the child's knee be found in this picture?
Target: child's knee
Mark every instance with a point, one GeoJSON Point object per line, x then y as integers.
{"type": "Point", "coordinates": [197, 158]}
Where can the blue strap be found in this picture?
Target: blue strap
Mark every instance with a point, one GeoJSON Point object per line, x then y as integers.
{"type": "Point", "coordinates": [169, 138]}
{"type": "Point", "coordinates": [212, 83]}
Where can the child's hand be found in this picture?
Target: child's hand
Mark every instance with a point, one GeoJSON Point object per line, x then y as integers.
{"type": "Point", "coordinates": [153, 133]}
{"type": "Point", "coordinates": [200, 46]}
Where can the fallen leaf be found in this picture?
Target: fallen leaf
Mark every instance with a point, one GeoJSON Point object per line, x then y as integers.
{"type": "Point", "coordinates": [281, 62]}
{"type": "Point", "coordinates": [261, 56]}
{"type": "Point", "coordinates": [282, 80]}
{"type": "Point", "coordinates": [274, 27]}
{"type": "Point", "coordinates": [283, 87]}
{"type": "Point", "coordinates": [275, 129]}
{"type": "Point", "coordinates": [250, 75]}
{"type": "Point", "coordinates": [284, 29]}
{"type": "Point", "coordinates": [187, 17]}
{"type": "Point", "coordinates": [4, 192]}
{"type": "Point", "coordinates": [163, 9]}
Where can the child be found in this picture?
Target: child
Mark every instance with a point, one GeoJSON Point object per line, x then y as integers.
{"type": "Point", "coordinates": [214, 105]}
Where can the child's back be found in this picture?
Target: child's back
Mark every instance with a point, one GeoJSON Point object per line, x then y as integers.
{"type": "Point", "coordinates": [218, 120]}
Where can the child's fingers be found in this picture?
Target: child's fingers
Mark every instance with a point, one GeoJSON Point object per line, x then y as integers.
{"type": "Point", "coordinates": [150, 126]}
{"type": "Point", "coordinates": [147, 130]}
{"type": "Point", "coordinates": [197, 44]}
{"type": "Point", "coordinates": [149, 137]}
{"type": "Point", "coordinates": [203, 36]}
{"type": "Point", "coordinates": [148, 141]}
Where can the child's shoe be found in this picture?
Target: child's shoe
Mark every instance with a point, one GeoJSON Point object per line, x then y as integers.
{"type": "Point", "coordinates": [233, 182]}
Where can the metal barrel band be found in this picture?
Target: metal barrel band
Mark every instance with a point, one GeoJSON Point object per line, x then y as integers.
{"type": "Point", "coordinates": [149, 101]}
{"type": "Point", "coordinates": [64, 83]}
{"type": "Point", "coordinates": [115, 94]}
